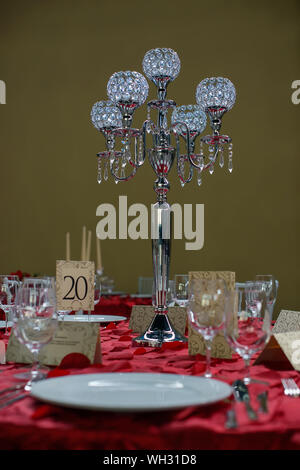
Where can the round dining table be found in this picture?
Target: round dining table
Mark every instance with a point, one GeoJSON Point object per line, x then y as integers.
{"type": "Point", "coordinates": [30, 424]}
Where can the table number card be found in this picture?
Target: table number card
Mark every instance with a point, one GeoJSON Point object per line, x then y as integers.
{"type": "Point", "coordinates": [70, 337]}
{"type": "Point", "coordinates": [220, 347]}
{"type": "Point", "coordinates": [284, 345]}
{"type": "Point", "coordinates": [75, 285]}
{"type": "Point", "coordinates": [142, 315]}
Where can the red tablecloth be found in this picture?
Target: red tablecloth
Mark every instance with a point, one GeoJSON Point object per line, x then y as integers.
{"type": "Point", "coordinates": [30, 424]}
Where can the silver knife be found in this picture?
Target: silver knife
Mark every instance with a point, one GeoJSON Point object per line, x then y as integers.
{"type": "Point", "coordinates": [240, 391]}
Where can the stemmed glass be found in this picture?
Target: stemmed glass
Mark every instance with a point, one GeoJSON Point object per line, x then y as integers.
{"type": "Point", "coordinates": [181, 289]}
{"type": "Point", "coordinates": [9, 286]}
{"type": "Point", "coordinates": [97, 293]}
{"type": "Point", "coordinates": [206, 307]}
{"type": "Point", "coordinates": [247, 325]}
{"type": "Point", "coordinates": [34, 323]}
{"type": "Point", "coordinates": [270, 285]}
{"type": "Point", "coordinates": [171, 293]}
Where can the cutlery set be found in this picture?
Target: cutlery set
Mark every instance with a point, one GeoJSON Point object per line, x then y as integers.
{"type": "Point", "coordinates": [241, 394]}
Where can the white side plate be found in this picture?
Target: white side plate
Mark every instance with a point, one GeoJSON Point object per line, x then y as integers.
{"type": "Point", "coordinates": [92, 318]}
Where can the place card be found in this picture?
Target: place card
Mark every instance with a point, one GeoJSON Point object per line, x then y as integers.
{"type": "Point", "coordinates": [220, 347]}
{"type": "Point", "coordinates": [283, 348]}
{"type": "Point", "coordinates": [75, 285]}
{"type": "Point", "coordinates": [142, 316]}
{"type": "Point", "coordinates": [70, 337]}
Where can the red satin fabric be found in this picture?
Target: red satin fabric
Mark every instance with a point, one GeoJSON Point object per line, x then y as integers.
{"type": "Point", "coordinates": [29, 424]}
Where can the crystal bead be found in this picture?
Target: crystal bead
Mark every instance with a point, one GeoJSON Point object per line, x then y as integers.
{"type": "Point", "coordinates": [192, 116]}
{"type": "Point", "coordinates": [217, 92]}
{"type": "Point", "coordinates": [161, 62]}
{"type": "Point", "coordinates": [105, 114]}
{"type": "Point", "coordinates": [127, 87]}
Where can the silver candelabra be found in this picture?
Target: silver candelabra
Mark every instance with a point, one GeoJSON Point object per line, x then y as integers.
{"type": "Point", "coordinates": [170, 141]}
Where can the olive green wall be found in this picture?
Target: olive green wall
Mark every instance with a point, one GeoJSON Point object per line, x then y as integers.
{"type": "Point", "coordinates": [56, 57]}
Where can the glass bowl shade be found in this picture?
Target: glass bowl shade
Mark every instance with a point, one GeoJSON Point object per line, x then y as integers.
{"type": "Point", "coordinates": [191, 115]}
{"type": "Point", "coordinates": [105, 114]}
{"type": "Point", "coordinates": [127, 87]}
{"type": "Point", "coordinates": [219, 92]}
{"type": "Point", "coordinates": [161, 62]}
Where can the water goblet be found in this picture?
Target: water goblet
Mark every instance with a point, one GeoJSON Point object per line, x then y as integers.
{"type": "Point", "coordinates": [247, 325]}
{"type": "Point", "coordinates": [9, 286]}
{"type": "Point", "coordinates": [270, 285]}
{"type": "Point", "coordinates": [206, 307]}
{"type": "Point", "coordinates": [181, 289]}
{"type": "Point", "coordinates": [34, 324]}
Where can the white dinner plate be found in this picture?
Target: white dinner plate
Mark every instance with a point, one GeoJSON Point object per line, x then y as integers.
{"type": "Point", "coordinates": [130, 391]}
{"type": "Point", "coordinates": [92, 319]}
{"type": "Point", "coordinates": [3, 324]}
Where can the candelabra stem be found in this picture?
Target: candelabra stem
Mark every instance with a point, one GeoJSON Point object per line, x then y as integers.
{"type": "Point", "coordinates": [160, 329]}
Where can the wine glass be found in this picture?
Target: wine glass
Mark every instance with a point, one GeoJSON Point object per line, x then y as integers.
{"type": "Point", "coordinates": [181, 289]}
{"type": "Point", "coordinates": [270, 285]}
{"type": "Point", "coordinates": [9, 286]}
{"type": "Point", "coordinates": [97, 293]}
{"type": "Point", "coordinates": [206, 307]}
{"type": "Point", "coordinates": [247, 325]}
{"type": "Point", "coordinates": [171, 293]}
{"type": "Point", "coordinates": [34, 323]}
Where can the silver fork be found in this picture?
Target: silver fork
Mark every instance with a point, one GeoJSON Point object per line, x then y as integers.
{"type": "Point", "coordinates": [291, 389]}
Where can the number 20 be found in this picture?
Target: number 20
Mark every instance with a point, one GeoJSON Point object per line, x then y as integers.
{"type": "Point", "coordinates": [75, 284]}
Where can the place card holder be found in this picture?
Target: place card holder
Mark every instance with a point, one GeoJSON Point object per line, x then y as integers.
{"type": "Point", "coordinates": [70, 337]}
{"type": "Point", "coordinates": [220, 347]}
{"type": "Point", "coordinates": [142, 316]}
{"type": "Point", "coordinates": [283, 349]}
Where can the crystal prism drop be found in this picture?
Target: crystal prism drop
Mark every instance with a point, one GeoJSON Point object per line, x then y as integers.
{"type": "Point", "coordinates": [182, 183]}
{"type": "Point", "coordinates": [221, 160]}
{"type": "Point", "coordinates": [199, 179]}
{"type": "Point", "coordinates": [105, 176]}
{"type": "Point", "coordinates": [201, 162]}
{"type": "Point", "coordinates": [99, 172]}
{"type": "Point", "coordinates": [230, 166]}
{"type": "Point", "coordinates": [122, 173]}
{"type": "Point", "coordinates": [211, 169]}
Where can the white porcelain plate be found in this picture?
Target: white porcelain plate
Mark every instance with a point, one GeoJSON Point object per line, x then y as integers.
{"type": "Point", "coordinates": [130, 391]}
{"type": "Point", "coordinates": [92, 318]}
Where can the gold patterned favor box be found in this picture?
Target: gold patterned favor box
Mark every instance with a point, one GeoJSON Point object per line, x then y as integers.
{"type": "Point", "coordinates": [142, 315]}
{"type": "Point", "coordinates": [284, 346]}
{"type": "Point", "coordinates": [220, 347]}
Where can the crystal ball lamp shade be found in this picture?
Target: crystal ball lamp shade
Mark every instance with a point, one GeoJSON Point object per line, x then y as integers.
{"type": "Point", "coordinates": [128, 87]}
{"type": "Point", "coordinates": [215, 92]}
{"type": "Point", "coordinates": [161, 63]}
{"type": "Point", "coordinates": [105, 114]}
{"type": "Point", "coordinates": [192, 116]}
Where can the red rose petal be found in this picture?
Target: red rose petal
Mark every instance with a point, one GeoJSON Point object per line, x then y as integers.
{"type": "Point", "coordinates": [74, 360]}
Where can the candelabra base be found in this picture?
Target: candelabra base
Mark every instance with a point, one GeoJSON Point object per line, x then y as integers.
{"type": "Point", "coordinates": [160, 331]}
